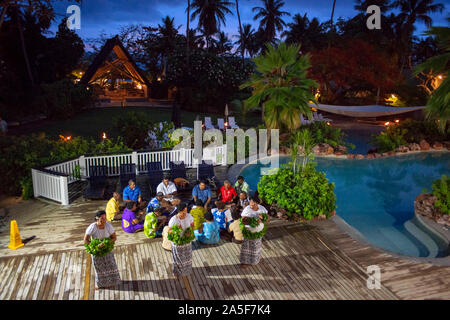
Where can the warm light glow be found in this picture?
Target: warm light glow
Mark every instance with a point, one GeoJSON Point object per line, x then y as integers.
{"type": "Point", "coordinates": [159, 78]}
{"type": "Point", "coordinates": [65, 138]}
{"type": "Point", "coordinates": [440, 76]}
{"type": "Point", "coordinates": [393, 96]}
{"type": "Point", "coordinates": [386, 123]}
{"type": "Point", "coordinates": [314, 109]}
{"type": "Point", "coordinates": [104, 135]}
{"type": "Point", "coordinates": [226, 124]}
{"type": "Point", "coordinates": [69, 137]}
{"type": "Point", "coordinates": [328, 124]}
{"type": "Point", "coordinates": [397, 121]}
{"type": "Point", "coordinates": [139, 86]}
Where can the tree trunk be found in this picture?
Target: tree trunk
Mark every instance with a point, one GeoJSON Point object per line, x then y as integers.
{"type": "Point", "coordinates": [2, 17]}
{"type": "Point", "coordinates": [240, 31]}
{"type": "Point", "coordinates": [24, 49]}
{"type": "Point", "coordinates": [187, 35]}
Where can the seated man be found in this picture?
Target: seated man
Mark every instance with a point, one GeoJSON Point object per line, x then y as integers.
{"type": "Point", "coordinates": [202, 192]}
{"type": "Point", "coordinates": [154, 223]}
{"type": "Point", "coordinates": [243, 199]}
{"type": "Point", "coordinates": [113, 209]}
{"type": "Point", "coordinates": [155, 202]}
{"type": "Point", "coordinates": [167, 188]}
{"type": "Point", "coordinates": [241, 185]}
{"type": "Point", "coordinates": [130, 223]}
{"type": "Point", "coordinates": [133, 193]}
{"type": "Point", "coordinates": [208, 232]}
{"type": "Point", "coordinates": [227, 194]}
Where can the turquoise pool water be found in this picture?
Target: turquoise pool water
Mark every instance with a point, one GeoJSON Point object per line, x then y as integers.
{"type": "Point", "coordinates": [376, 197]}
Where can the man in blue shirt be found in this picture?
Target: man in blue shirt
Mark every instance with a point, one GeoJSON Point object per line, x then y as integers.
{"type": "Point", "coordinates": [132, 193]}
{"type": "Point", "coordinates": [202, 192]}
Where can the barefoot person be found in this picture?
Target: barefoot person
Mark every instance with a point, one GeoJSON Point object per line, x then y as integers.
{"type": "Point", "coordinates": [106, 271]}
{"type": "Point", "coordinates": [181, 254]}
{"type": "Point", "coordinates": [251, 248]}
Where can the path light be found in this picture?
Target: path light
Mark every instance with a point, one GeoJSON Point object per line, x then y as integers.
{"type": "Point", "coordinates": [386, 123]}
{"type": "Point", "coordinates": [397, 121]}
{"type": "Point", "coordinates": [104, 136]}
{"type": "Point", "coordinates": [440, 77]}
{"type": "Point", "coordinates": [328, 124]}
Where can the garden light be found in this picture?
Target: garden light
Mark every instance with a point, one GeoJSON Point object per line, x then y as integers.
{"type": "Point", "coordinates": [386, 123]}
{"type": "Point", "coordinates": [328, 124]}
{"type": "Point", "coordinates": [397, 121]}
{"type": "Point", "coordinates": [440, 76]}
{"type": "Point", "coordinates": [104, 136]}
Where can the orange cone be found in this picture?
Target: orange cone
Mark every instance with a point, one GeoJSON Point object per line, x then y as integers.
{"type": "Point", "coordinates": [15, 240]}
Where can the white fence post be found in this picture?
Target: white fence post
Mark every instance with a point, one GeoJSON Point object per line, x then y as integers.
{"type": "Point", "coordinates": [35, 183]}
{"type": "Point", "coordinates": [64, 190]}
{"type": "Point", "coordinates": [134, 159]}
{"type": "Point", "coordinates": [83, 170]}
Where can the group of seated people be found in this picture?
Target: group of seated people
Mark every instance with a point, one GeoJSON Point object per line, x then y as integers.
{"type": "Point", "coordinates": [212, 221]}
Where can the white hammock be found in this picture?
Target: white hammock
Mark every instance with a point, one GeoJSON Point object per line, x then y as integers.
{"type": "Point", "coordinates": [364, 111]}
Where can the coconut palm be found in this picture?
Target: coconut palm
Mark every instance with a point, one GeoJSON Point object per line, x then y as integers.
{"type": "Point", "coordinates": [244, 39]}
{"type": "Point", "coordinates": [310, 33]}
{"type": "Point", "coordinates": [271, 18]}
{"type": "Point", "coordinates": [242, 49]}
{"type": "Point", "coordinates": [281, 86]}
{"type": "Point", "coordinates": [410, 12]}
{"type": "Point", "coordinates": [211, 15]}
{"type": "Point", "coordinates": [438, 105]}
{"type": "Point", "coordinates": [222, 44]}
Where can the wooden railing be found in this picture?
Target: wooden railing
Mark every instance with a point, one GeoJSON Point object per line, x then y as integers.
{"type": "Point", "coordinates": [52, 181]}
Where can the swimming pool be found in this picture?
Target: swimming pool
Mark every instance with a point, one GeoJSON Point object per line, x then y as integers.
{"type": "Point", "coordinates": [376, 197]}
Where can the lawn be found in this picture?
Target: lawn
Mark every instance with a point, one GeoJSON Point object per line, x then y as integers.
{"type": "Point", "coordinates": [93, 122]}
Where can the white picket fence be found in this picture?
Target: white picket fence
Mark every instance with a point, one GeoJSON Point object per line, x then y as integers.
{"type": "Point", "coordinates": [53, 181]}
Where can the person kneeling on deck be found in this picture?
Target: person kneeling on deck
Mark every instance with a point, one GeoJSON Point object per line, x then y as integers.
{"type": "Point", "coordinates": [113, 211]}
{"type": "Point", "coordinates": [155, 202]}
{"type": "Point", "coordinates": [209, 231]}
{"type": "Point", "coordinates": [234, 227]}
{"type": "Point", "coordinates": [106, 271]}
{"type": "Point", "coordinates": [154, 223]}
{"type": "Point", "coordinates": [251, 247]}
{"type": "Point", "coordinates": [167, 188]}
{"type": "Point", "coordinates": [222, 216]}
{"type": "Point", "coordinates": [181, 254]}
{"type": "Point", "coordinates": [133, 193]}
{"type": "Point", "coordinates": [131, 223]}
{"type": "Point", "coordinates": [198, 213]}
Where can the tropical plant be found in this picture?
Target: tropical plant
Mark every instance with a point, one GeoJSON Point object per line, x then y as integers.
{"type": "Point", "coordinates": [441, 190]}
{"type": "Point", "coordinates": [281, 86]}
{"type": "Point", "coordinates": [253, 222]}
{"type": "Point", "coordinates": [306, 192]}
{"type": "Point", "coordinates": [181, 237]}
{"type": "Point", "coordinates": [245, 39]}
{"type": "Point", "coordinates": [271, 18]}
{"type": "Point", "coordinates": [302, 141]}
{"type": "Point", "coordinates": [309, 33]}
{"type": "Point", "coordinates": [211, 15]}
{"type": "Point", "coordinates": [438, 105]}
{"type": "Point", "coordinates": [410, 12]}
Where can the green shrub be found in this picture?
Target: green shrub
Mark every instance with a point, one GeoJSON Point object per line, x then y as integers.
{"type": "Point", "coordinates": [307, 192]}
{"type": "Point", "coordinates": [62, 99]}
{"type": "Point", "coordinates": [20, 154]}
{"type": "Point", "coordinates": [134, 129]}
{"type": "Point", "coordinates": [408, 131]}
{"type": "Point", "coordinates": [441, 190]}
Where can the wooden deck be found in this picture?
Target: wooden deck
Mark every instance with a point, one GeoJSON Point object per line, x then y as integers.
{"type": "Point", "coordinates": [295, 264]}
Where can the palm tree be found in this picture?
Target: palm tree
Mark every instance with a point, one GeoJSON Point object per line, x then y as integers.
{"type": "Point", "coordinates": [410, 12]}
{"type": "Point", "coordinates": [242, 49]}
{"type": "Point", "coordinates": [222, 44]}
{"type": "Point", "coordinates": [211, 15]}
{"type": "Point", "coordinates": [270, 16]}
{"type": "Point", "coordinates": [188, 9]}
{"type": "Point", "coordinates": [438, 105]}
{"type": "Point", "coordinates": [310, 33]}
{"type": "Point", "coordinates": [244, 40]}
{"type": "Point", "coordinates": [281, 86]}
{"type": "Point", "coordinates": [362, 5]}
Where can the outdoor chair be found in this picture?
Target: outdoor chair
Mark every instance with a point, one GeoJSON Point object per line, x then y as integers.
{"type": "Point", "coordinates": [221, 124]}
{"type": "Point", "coordinates": [127, 172]}
{"type": "Point", "coordinates": [232, 123]}
{"type": "Point", "coordinates": [97, 182]}
{"type": "Point", "coordinates": [177, 170]}
{"type": "Point", "coordinates": [205, 171]}
{"type": "Point", "coordinates": [155, 175]}
{"type": "Point", "coordinates": [208, 123]}
{"type": "Point", "coordinates": [303, 121]}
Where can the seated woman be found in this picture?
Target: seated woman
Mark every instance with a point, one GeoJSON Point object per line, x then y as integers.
{"type": "Point", "coordinates": [198, 212]}
{"type": "Point", "coordinates": [131, 223]}
{"type": "Point", "coordinates": [209, 230]}
{"type": "Point", "coordinates": [234, 227]}
{"type": "Point", "coordinates": [154, 223]}
{"type": "Point", "coordinates": [220, 217]}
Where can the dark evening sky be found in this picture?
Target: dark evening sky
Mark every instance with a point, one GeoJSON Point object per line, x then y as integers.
{"type": "Point", "coordinates": [107, 16]}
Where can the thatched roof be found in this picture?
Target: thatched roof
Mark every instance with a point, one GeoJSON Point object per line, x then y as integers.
{"type": "Point", "coordinates": [101, 65]}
